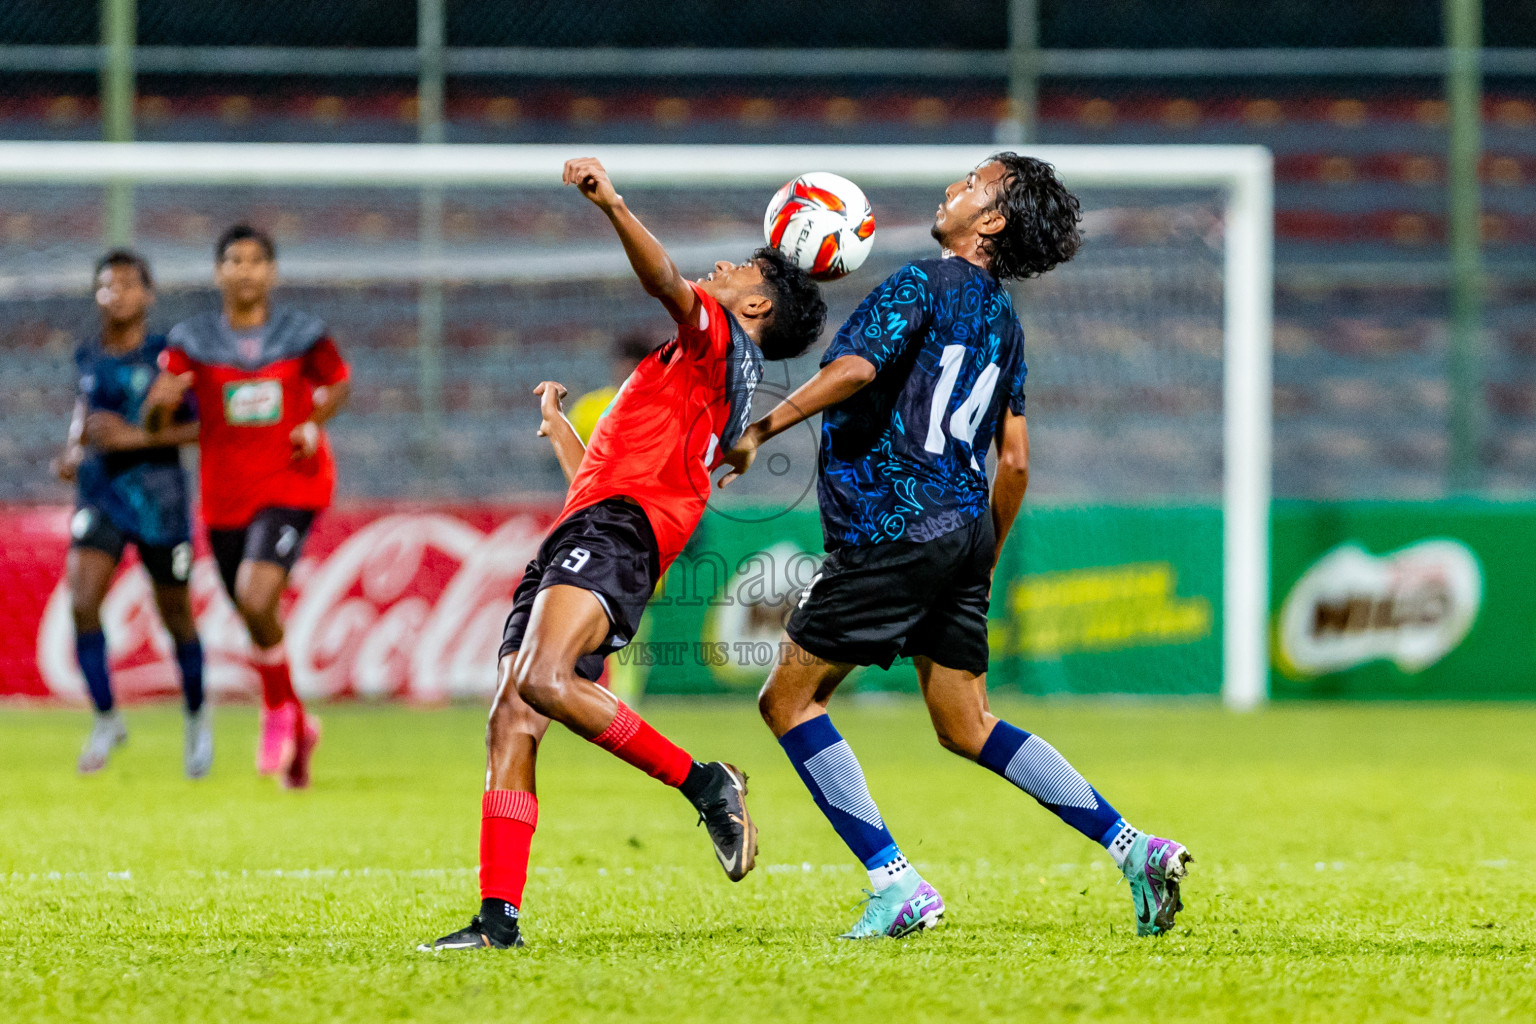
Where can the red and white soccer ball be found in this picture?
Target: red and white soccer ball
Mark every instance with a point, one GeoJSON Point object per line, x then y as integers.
{"type": "Point", "coordinates": [822, 223]}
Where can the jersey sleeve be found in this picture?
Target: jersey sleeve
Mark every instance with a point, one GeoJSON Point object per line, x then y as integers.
{"type": "Point", "coordinates": [85, 374]}
{"type": "Point", "coordinates": [1016, 382]}
{"type": "Point", "coordinates": [174, 360]}
{"type": "Point", "coordinates": [711, 335]}
{"type": "Point", "coordinates": [887, 320]}
{"type": "Point", "coordinates": [323, 363]}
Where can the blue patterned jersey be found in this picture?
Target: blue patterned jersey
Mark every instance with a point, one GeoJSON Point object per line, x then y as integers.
{"type": "Point", "coordinates": [906, 457]}
{"type": "Point", "coordinates": [142, 492]}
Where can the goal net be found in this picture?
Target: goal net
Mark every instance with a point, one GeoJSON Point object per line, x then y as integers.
{"type": "Point", "coordinates": [456, 278]}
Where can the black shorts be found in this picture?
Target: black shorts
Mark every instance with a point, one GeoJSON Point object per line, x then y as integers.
{"type": "Point", "coordinates": [273, 535]}
{"type": "Point", "coordinates": [169, 565]}
{"type": "Point", "coordinates": [871, 604]}
{"type": "Point", "coordinates": [608, 549]}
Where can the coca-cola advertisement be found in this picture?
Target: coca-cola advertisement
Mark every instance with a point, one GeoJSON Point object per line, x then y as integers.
{"type": "Point", "coordinates": [388, 602]}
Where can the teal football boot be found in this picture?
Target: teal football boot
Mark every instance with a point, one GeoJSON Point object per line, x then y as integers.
{"type": "Point", "coordinates": [908, 906]}
{"type": "Point", "coordinates": [1155, 867]}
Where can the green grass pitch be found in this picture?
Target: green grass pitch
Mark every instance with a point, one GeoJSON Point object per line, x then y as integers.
{"type": "Point", "coordinates": [1354, 863]}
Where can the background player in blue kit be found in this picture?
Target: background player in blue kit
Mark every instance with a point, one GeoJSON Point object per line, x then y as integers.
{"type": "Point", "coordinates": [131, 489]}
{"type": "Point", "coordinates": [921, 378]}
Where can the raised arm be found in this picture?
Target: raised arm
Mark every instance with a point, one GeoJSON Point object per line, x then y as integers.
{"type": "Point", "coordinates": [569, 450]}
{"type": "Point", "coordinates": [657, 273]}
{"type": "Point", "coordinates": [1012, 476]}
{"type": "Point", "coordinates": [840, 379]}
{"type": "Point", "coordinates": [884, 326]}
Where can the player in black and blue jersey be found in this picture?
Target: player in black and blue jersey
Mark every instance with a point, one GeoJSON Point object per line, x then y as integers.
{"type": "Point", "coordinates": [925, 375]}
{"type": "Point", "coordinates": [131, 489]}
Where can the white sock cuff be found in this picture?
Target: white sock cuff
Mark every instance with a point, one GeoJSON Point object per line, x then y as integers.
{"type": "Point", "coordinates": [1120, 847]}
{"type": "Point", "coordinates": [889, 874]}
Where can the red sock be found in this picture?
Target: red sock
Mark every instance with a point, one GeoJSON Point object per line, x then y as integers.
{"type": "Point", "coordinates": [507, 821]}
{"type": "Point", "coordinates": [630, 739]}
{"type": "Point", "coordinates": [276, 684]}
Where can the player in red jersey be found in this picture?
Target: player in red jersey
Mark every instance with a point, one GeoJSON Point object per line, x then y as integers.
{"type": "Point", "coordinates": [265, 379]}
{"type": "Point", "coordinates": [636, 494]}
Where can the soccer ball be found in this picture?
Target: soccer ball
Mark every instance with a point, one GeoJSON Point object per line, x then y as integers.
{"type": "Point", "coordinates": [822, 223]}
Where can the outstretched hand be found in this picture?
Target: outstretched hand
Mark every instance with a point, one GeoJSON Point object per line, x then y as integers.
{"type": "Point", "coordinates": [740, 455]}
{"type": "Point", "coordinates": [550, 395]}
{"type": "Point", "coordinates": [66, 466]}
{"type": "Point", "coordinates": [591, 179]}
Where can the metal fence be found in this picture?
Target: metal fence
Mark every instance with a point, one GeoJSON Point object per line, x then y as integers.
{"type": "Point", "coordinates": [1405, 235]}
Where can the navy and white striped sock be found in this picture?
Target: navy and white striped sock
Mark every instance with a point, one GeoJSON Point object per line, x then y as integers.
{"type": "Point", "coordinates": [1034, 766]}
{"type": "Point", "coordinates": [830, 771]}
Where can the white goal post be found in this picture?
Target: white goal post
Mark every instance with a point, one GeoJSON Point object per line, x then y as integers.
{"type": "Point", "coordinates": [1243, 173]}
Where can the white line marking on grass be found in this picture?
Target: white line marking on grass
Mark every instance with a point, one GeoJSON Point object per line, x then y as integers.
{"type": "Point", "coordinates": [980, 868]}
{"type": "Point", "coordinates": [805, 867]}
{"type": "Point", "coordinates": [295, 874]}
{"type": "Point", "coordinates": [326, 874]}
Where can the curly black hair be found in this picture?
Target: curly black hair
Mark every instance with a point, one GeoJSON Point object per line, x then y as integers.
{"type": "Point", "coordinates": [798, 309]}
{"type": "Point", "coordinates": [1043, 217]}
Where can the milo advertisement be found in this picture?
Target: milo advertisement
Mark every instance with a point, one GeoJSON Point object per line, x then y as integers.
{"type": "Point", "coordinates": [1403, 600]}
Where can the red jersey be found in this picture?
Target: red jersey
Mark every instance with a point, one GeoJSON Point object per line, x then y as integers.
{"type": "Point", "coordinates": [667, 428]}
{"type": "Point", "coordinates": [253, 387]}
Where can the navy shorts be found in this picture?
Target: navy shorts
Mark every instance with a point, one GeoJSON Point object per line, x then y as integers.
{"type": "Point", "coordinates": [169, 565]}
{"type": "Point", "coordinates": [871, 604]}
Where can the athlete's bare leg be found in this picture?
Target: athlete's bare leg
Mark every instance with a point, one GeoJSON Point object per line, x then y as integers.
{"type": "Point", "coordinates": [798, 688]}
{"type": "Point", "coordinates": [512, 735]}
{"type": "Point", "coordinates": [1155, 867]}
{"type": "Point", "coordinates": [957, 703]}
{"type": "Point", "coordinates": [175, 604]}
{"type": "Point", "coordinates": [536, 684]}
{"type": "Point", "coordinates": [566, 623]}
{"type": "Point", "coordinates": [259, 587]}
{"type": "Point", "coordinates": [89, 573]}
{"type": "Point", "coordinates": [288, 734]}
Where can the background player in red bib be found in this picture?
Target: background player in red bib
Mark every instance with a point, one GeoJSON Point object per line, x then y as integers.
{"type": "Point", "coordinates": [636, 494]}
{"type": "Point", "coordinates": [265, 379]}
